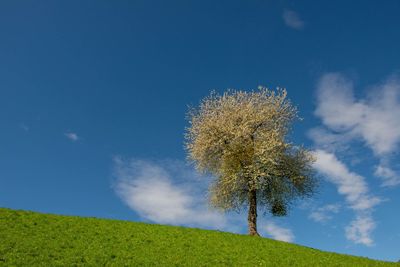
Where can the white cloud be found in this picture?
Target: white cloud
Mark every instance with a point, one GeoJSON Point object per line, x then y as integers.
{"type": "Point", "coordinates": [355, 190]}
{"type": "Point", "coordinates": [148, 189]}
{"type": "Point", "coordinates": [278, 232]}
{"type": "Point", "coordinates": [387, 174]}
{"type": "Point", "coordinates": [359, 230]}
{"type": "Point", "coordinates": [375, 119]}
{"type": "Point", "coordinates": [292, 19]}
{"type": "Point", "coordinates": [324, 213]}
{"type": "Point", "coordinates": [72, 136]}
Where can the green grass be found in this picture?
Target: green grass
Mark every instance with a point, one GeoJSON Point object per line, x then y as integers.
{"type": "Point", "coordinates": [35, 239]}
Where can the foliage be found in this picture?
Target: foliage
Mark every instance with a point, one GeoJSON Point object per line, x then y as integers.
{"type": "Point", "coordinates": [240, 138]}
{"type": "Point", "coordinates": [34, 239]}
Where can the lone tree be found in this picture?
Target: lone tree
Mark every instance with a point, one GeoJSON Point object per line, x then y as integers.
{"type": "Point", "coordinates": [240, 138]}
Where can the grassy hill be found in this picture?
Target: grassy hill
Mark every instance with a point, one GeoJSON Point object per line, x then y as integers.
{"type": "Point", "coordinates": [35, 239]}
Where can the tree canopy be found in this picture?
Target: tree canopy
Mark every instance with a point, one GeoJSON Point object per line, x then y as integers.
{"type": "Point", "coordinates": [240, 138]}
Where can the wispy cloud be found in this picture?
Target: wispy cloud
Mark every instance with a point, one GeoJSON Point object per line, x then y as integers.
{"type": "Point", "coordinates": [356, 192]}
{"type": "Point", "coordinates": [149, 189]}
{"type": "Point", "coordinates": [350, 184]}
{"type": "Point", "coordinates": [387, 174]}
{"type": "Point", "coordinates": [324, 213]}
{"type": "Point", "coordinates": [72, 136]}
{"type": "Point", "coordinates": [24, 127]}
{"type": "Point", "coordinates": [278, 232]}
{"type": "Point", "coordinates": [292, 19]}
{"type": "Point", "coordinates": [329, 141]}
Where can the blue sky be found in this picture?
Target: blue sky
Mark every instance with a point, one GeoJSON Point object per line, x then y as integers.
{"type": "Point", "coordinates": [93, 96]}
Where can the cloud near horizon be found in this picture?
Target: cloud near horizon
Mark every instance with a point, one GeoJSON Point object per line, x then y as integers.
{"type": "Point", "coordinates": [170, 192]}
{"type": "Point", "coordinates": [149, 189]}
{"type": "Point", "coordinates": [278, 232]}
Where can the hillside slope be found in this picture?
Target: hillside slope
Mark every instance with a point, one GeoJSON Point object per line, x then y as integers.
{"type": "Point", "coordinates": [35, 239]}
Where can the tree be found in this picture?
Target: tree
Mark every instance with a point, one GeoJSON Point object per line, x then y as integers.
{"type": "Point", "coordinates": [241, 139]}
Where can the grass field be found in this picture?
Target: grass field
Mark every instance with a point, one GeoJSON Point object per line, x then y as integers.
{"type": "Point", "coordinates": [35, 239]}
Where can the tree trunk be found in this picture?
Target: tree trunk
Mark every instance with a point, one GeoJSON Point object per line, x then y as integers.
{"type": "Point", "coordinates": [252, 218]}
